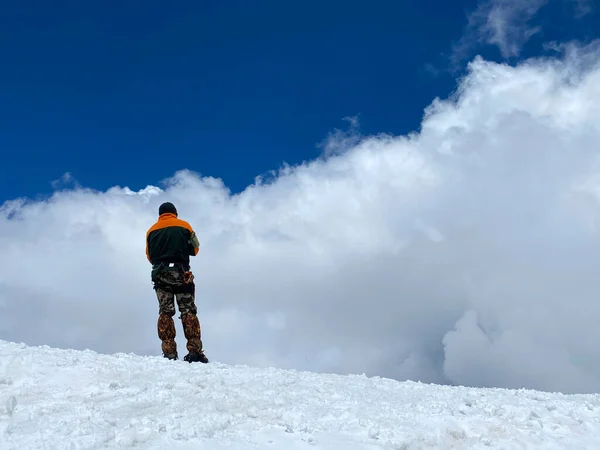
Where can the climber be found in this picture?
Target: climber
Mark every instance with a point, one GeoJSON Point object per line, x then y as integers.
{"type": "Point", "coordinates": [169, 244]}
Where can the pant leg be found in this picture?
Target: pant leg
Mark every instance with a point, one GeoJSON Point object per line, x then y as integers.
{"type": "Point", "coordinates": [166, 311]}
{"type": "Point", "coordinates": [189, 319]}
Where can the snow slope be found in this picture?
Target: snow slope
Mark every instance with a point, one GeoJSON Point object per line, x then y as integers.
{"type": "Point", "coordinates": [65, 399]}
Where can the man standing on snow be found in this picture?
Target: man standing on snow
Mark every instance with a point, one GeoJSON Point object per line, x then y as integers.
{"type": "Point", "coordinates": [169, 244]}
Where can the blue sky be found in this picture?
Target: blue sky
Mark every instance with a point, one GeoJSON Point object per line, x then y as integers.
{"type": "Point", "coordinates": [128, 93]}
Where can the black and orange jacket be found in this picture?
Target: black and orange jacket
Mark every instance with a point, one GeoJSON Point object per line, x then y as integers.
{"type": "Point", "coordinates": [171, 239]}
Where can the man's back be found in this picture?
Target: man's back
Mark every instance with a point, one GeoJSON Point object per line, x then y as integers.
{"type": "Point", "coordinates": [171, 239]}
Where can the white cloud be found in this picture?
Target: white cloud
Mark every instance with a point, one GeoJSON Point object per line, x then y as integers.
{"type": "Point", "coordinates": [339, 141]}
{"type": "Point", "coordinates": [507, 24]}
{"type": "Point", "coordinates": [467, 253]}
{"type": "Point", "coordinates": [582, 8]}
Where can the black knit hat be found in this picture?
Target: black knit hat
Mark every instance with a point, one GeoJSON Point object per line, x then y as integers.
{"type": "Point", "coordinates": [167, 207]}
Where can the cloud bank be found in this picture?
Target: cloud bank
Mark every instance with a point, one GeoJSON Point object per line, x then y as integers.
{"type": "Point", "coordinates": [465, 253]}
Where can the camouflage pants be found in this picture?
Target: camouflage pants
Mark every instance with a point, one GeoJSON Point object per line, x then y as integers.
{"type": "Point", "coordinates": [170, 287]}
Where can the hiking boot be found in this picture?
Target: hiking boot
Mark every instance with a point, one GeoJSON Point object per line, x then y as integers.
{"type": "Point", "coordinates": [196, 357]}
{"type": "Point", "coordinates": [170, 355]}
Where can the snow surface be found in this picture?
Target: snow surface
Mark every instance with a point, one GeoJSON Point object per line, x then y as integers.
{"type": "Point", "coordinates": [67, 399]}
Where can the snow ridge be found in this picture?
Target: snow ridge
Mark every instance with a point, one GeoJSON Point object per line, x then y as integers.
{"type": "Point", "coordinates": [67, 399]}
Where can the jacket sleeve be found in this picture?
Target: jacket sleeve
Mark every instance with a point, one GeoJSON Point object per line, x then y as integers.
{"type": "Point", "coordinates": [147, 249]}
{"type": "Point", "coordinates": [194, 244]}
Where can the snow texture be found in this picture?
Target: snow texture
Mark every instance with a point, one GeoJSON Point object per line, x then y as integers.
{"type": "Point", "coordinates": [68, 399]}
